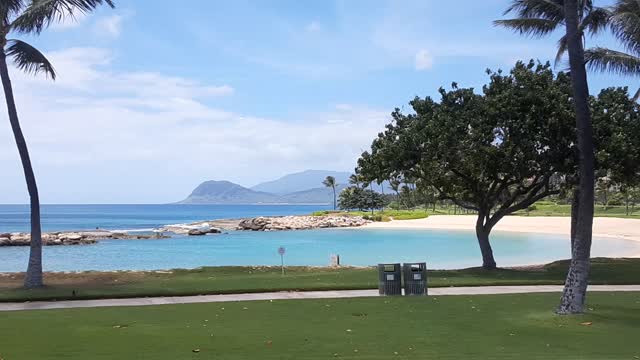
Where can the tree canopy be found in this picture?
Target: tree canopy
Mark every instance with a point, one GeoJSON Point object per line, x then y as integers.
{"type": "Point", "coordinates": [501, 150]}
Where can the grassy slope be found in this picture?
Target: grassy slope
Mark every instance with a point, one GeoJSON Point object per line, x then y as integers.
{"type": "Point", "coordinates": [217, 280]}
{"type": "Point", "coordinates": [451, 327]}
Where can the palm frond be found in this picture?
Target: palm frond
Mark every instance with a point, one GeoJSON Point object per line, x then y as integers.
{"type": "Point", "coordinates": [42, 13]}
{"type": "Point", "coordinates": [29, 59]}
{"type": "Point", "coordinates": [607, 60]}
{"type": "Point", "coordinates": [562, 49]}
{"type": "Point", "coordinates": [534, 27]}
{"type": "Point", "coordinates": [625, 23]}
{"type": "Point", "coordinates": [595, 21]}
{"type": "Point", "coordinates": [9, 8]}
{"type": "Point", "coordinates": [545, 9]}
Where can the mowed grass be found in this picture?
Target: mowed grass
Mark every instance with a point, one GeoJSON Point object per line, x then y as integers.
{"type": "Point", "coordinates": [445, 327]}
{"type": "Point", "coordinates": [550, 209]}
{"type": "Point", "coordinates": [225, 280]}
{"type": "Point", "coordinates": [543, 208]}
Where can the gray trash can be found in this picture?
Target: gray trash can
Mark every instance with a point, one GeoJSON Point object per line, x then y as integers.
{"type": "Point", "coordinates": [389, 279]}
{"type": "Point", "coordinates": [415, 278]}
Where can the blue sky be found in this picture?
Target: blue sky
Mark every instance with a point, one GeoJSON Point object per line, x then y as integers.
{"type": "Point", "coordinates": [153, 98]}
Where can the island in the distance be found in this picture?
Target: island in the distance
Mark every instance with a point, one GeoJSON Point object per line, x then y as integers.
{"type": "Point", "coordinates": [299, 188]}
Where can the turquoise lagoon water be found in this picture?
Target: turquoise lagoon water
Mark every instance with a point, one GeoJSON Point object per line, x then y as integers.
{"type": "Point", "coordinates": [439, 248]}
{"type": "Point", "coordinates": [443, 249]}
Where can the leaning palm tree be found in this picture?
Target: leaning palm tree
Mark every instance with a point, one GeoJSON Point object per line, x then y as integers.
{"type": "Point", "coordinates": [625, 24]}
{"type": "Point", "coordinates": [538, 18]}
{"type": "Point", "coordinates": [31, 17]}
{"type": "Point", "coordinates": [330, 182]}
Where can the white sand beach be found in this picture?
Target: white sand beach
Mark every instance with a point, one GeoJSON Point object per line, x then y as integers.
{"type": "Point", "coordinates": [628, 229]}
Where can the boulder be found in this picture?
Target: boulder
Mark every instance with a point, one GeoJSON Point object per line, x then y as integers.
{"type": "Point", "coordinates": [5, 241]}
{"type": "Point", "coordinates": [214, 230]}
{"type": "Point", "coordinates": [196, 232]}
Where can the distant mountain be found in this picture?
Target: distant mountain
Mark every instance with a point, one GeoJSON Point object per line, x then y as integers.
{"type": "Point", "coordinates": [225, 192]}
{"type": "Point", "coordinates": [322, 195]}
{"type": "Point", "coordinates": [302, 181]}
{"type": "Point", "coordinates": [299, 188]}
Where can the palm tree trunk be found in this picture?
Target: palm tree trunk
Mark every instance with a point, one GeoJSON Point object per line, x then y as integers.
{"type": "Point", "coordinates": [334, 197]}
{"type": "Point", "coordinates": [33, 276]}
{"type": "Point", "coordinates": [575, 289]}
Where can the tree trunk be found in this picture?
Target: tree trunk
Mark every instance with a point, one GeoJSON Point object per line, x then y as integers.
{"type": "Point", "coordinates": [482, 233]}
{"type": "Point", "coordinates": [575, 204]}
{"type": "Point", "coordinates": [33, 276]}
{"type": "Point", "coordinates": [334, 198]}
{"type": "Point", "coordinates": [573, 297]}
{"type": "Point", "coordinates": [626, 203]}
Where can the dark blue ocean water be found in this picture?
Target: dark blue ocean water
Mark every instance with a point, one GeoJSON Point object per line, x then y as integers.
{"type": "Point", "coordinates": [14, 218]}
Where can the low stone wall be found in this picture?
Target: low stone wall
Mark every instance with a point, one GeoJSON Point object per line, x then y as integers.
{"type": "Point", "coordinates": [300, 223]}
{"type": "Point", "coordinates": [69, 238]}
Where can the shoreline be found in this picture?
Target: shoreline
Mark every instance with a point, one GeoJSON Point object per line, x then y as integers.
{"type": "Point", "coordinates": [603, 227]}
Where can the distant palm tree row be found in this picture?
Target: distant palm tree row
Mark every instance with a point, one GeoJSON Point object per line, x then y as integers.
{"type": "Point", "coordinates": [32, 17]}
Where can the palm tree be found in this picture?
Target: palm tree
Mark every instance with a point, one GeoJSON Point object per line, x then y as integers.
{"type": "Point", "coordinates": [354, 179]}
{"type": "Point", "coordinates": [31, 18]}
{"type": "Point", "coordinates": [330, 181]}
{"type": "Point", "coordinates": [539, 18]}
{"type": "Point", "coordinates": [625, 23]}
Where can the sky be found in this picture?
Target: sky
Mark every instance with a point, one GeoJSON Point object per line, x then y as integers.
{"type": "Point", "coordinates": [152, 98]}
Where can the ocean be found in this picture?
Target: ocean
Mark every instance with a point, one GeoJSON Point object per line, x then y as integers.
{"type": "Point", "coordinates": [15, 218]}
{"type": "Point", "coordinates": [441, 249]}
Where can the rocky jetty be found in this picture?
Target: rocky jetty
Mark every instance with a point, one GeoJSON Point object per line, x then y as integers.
{"type": "Point", "coordinates": [300, 223]}
{"type": "Point", "coordinates": [70, 238]}
{"type": "Point", "coordinates": [195, 229]}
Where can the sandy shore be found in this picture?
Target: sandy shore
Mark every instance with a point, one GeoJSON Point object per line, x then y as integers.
{"type": "Point", "coordinates": [628, 229]}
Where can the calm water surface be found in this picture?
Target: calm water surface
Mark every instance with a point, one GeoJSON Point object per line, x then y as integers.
{"type": "Point", "coordinates": [126, 217]}
{"type": "Point", "coordinates": [440, 248]}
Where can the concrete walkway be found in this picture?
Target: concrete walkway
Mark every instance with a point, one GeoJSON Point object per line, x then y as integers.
{"type": "Point", "coordinates": [475, 290]}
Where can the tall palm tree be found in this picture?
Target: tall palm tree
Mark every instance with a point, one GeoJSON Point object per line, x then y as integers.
{"type": "Point", "coordinates": [538, 18]}
{"type": "Point", "coordinates": [625, 24]}
{"type": "Point", "coordinates": [330, 182]}
{"type": "Point", "coordinates": [31, 17]}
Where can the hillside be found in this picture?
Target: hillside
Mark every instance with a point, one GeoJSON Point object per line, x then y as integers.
{"type": "Point", "coordinates": [302, 181]}
{"type": "Point", "coordinates": [299, 188]}
{"type": "Point", "coordinates": [226, 192]}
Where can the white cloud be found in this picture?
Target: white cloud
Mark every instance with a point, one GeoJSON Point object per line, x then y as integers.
{"type": "Point", "coordinates": [424, 60]}
{"type": "Point", "coordinates": [97, 135]}
{"type": "Point", "coordinates": [313, 26]}
{"type": "Point", "coordinates": [110, 26]}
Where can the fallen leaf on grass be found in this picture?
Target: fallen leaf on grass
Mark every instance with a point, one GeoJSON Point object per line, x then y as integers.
{"type": "Point", "coordinates": [195, 350]}
{"type": "Point", "coordinates": [269, 343]}
{"type": "Point", "coordinates": [587, 323]}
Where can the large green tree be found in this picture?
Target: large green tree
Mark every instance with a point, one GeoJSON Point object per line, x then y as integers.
{"type": "Point", "coordinates": [31, 17]}
{"type": "Point", "coordinates": [578, 17]}
{"type": "Point", "coordinates": [495, 153]}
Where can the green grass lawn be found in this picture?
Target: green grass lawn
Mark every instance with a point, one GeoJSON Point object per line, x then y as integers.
{"type": "Point", "coordinates": [445, 327]}
{"type": "Point", "coordinates": [544, 208]}
{"type": "Point", "coordinates": [221, 280]}
{"type": "Point", "coordinates": [550, 209]}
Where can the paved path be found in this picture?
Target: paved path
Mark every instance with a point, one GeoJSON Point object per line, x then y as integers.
{"type": "Point", "coordinates": [475, 290]}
